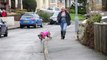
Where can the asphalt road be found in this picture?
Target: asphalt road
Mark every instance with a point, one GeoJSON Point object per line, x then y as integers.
{"type": "Point", "coordinates": [23, 44]}
{"type": "Point", "coordinates": [70, 48]}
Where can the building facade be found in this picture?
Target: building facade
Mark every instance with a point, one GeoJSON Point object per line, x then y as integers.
{"type": "Point", "coordinates": [3, 4]}
{"type": "Point", "coordinates": [53, 3]}
{"type": "Point", "coordinates": [11, 4]}
{"type": "Point", "coordinates": [15, 4]}
{"type": "Point", "coordinates": [97, 5]}
{"type": "Point", "coordinates": [42, 4]}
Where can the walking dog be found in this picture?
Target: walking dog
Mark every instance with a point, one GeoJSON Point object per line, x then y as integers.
{"type": "Point", "coordinates": [44, 34]}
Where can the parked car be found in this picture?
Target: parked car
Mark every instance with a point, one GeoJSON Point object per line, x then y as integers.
{"type": "Point", "coordinates": [52, 9]}
{"type": "Point", "coordinates": [30, 19]}
{"type": "Point", "coordinates": [53, 18]}
{"type": "Point", "coordinates": [104, 19]}
{"type": "Point", "coordinates": [3, 28]}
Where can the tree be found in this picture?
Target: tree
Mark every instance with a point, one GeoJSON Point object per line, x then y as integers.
{"type": "Point", "coordinates": [30, 5]}
{"type": "Point", "coordinates": [82, 8]}
{"type": "Point", "coordinates": [82, 2]}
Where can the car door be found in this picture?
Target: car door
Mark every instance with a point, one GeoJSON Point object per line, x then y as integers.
{"type": "Point", "coordinates": [1, 28]}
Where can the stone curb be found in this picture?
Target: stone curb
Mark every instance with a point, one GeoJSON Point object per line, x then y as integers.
{"type": "Point", "coordinates": [45, 50]}
{"type": "Point", "coordinates": [13, 28]}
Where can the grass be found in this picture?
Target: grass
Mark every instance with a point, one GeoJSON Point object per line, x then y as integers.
{"type": "Point", "coordinates": [80, 16]}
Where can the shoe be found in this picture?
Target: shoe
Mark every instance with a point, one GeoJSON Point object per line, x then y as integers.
{"type": "Point", "coordinates": [61, 34]}
{"type": "Point", "coordinates": [63, 37]}
{"type": "Point", "coordinates": [64, 32]}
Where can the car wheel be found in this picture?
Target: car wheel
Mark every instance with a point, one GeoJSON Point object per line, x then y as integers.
{"type": "Point", "coordinates": [6, 34]}
{"type": "Point", "coordinates": [0, 35]}
{"type": "Point", "coordinates": [28, 26]}
{"type": "Point", "coordinates": [21, 26]}
{"type": "Point", "coordinates": [41, 26]}
{"type": "Point", "coordinates": [34, 26]}
{"type": "Point", "coordinates": [52, 22]}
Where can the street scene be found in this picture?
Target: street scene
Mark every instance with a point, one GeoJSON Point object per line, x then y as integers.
{"type": "Point", "coordinates": [53, 30]}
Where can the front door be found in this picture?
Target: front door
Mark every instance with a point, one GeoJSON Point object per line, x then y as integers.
{"type": "Point", "coordinates": [13, 4]}
{"type": "Point", "coordinates": [104, 4]}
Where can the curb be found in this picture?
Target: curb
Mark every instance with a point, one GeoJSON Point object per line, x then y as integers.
{"type": "Point", "coordinates": [13, 28]}
{"type": "Point", "coordinates": [45, 51]}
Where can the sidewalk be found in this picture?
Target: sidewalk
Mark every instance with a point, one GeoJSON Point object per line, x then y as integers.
{"type": "Point", "coordinates": [14, 26]}
{"type": "Point", "coordinates": [71, 49]}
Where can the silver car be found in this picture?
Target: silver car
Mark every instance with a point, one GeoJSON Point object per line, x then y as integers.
{"type": "Point", "coordinates": [53, 18]}
{"type": "Point", "coordinates": [3, 29]}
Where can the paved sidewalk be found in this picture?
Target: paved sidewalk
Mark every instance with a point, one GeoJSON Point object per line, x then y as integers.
{"type": "Point", "coordinates": [14, 26]}
{"type": "Point", "coordinates": [71, 49]}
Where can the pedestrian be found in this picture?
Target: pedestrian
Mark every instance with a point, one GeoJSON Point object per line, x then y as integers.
{"type": "Point", "coordinates": [64, 21]}
{"type": "Point", "coordinates": [0, 13]}
{"type": "Point", "coordinates": [4, 13]}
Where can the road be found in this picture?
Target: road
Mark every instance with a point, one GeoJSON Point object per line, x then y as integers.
{"type": "Point", "coordinates": [70, 48]}
{"type": "Point", "coordinates": [23, 44]}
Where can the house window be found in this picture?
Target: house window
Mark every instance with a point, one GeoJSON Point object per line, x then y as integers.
{"type": "Point", "coordinates": [60, 1]}
{"type": "Point", "coordinates": [5, 0]}
{"type": "Point", "coordinates": [13, 4]}
{"type": "Point", "coordinates": [53, 1]}
{"type": "Point", "coordinates": [98, 1]}
{"type": "Point", "coordinates": [43, 1]}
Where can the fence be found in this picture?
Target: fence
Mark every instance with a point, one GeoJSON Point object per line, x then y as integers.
{"type": "Point", "coordinates": [100, 37]}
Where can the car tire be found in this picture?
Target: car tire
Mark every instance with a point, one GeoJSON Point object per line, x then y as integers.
{"type": "Point", "coordinates": [21, 26]}
{"type": "Point", "coordinates": [41, 26]}
{"type": "Point", "coordinates": [0, 35]}
{"type": "Point", "coordinates": [52, 22]}
{"type": "Point", "coordinates": [6, 34]}
{"type": "Point", "coordinates": [28, 26]}
{"type": "Point", "coordinates": [34, 26]}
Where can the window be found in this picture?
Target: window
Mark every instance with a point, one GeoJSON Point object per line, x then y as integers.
{"type": "Point", "coordinates": [62, 1]}
{"type": "Point", "coordinates": [53, 1]}
{"type": "Point", "coordinates": [98, 1]}
{"type": "Point", "coordinates": [1, 21]}
{"type": "Point", "coordinates": [5, 1]}
{"type": "Point", "coordinates": [43, 1]}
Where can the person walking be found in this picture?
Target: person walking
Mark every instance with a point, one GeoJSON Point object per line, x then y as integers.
{"type": "Point", "coordinates": [4, 13]}
{"type": "Point", "coordinates": [64, 20]}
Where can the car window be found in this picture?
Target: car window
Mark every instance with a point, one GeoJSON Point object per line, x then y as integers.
{"type": "Point", "coordinates": [1, 22]}
{"type": "Point", "coordinates": [27, 15]}
{"type": "Point", "coordinates": [56, 14]}
{"type": "Point", "coordinates": [50, 8]}
{"type": "Point", "coordinates": [35, 15]}
{"type": "Point", "coordinates": [57, 9]}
